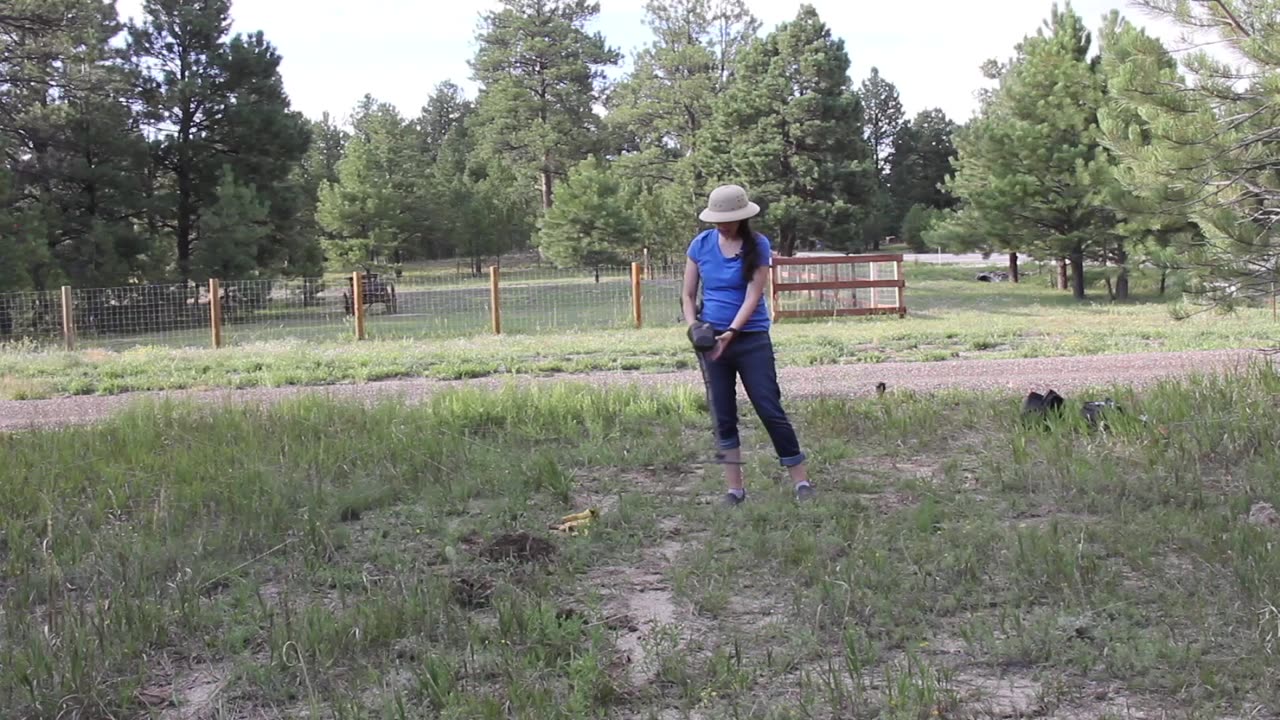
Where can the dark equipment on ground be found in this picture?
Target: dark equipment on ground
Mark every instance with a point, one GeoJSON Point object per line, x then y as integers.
{"type": "Point", "coordinates": [1038, 407]}
{"type": "Point", "coordinates": [375, 290]}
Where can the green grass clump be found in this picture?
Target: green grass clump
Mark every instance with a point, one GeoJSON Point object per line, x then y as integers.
{"type": "Point", "coordinates": [395, 561]}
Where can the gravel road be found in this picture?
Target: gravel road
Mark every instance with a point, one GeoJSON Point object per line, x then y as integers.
{"type": "Point", "coordinates": [1019, 376]}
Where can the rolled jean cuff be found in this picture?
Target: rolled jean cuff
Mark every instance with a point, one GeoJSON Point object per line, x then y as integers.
{"type": "Point", "coordinates": [792, 461]}
{"type": "Point", "coordinates": [732, 443]}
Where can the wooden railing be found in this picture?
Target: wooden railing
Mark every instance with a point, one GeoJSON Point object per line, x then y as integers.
{"type": "Point", "coordinates": [831, 286]}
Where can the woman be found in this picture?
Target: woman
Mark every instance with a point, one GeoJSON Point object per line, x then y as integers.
{"type": "Point", "coordinates": [732, 264]}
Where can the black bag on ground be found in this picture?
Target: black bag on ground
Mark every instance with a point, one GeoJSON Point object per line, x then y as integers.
{"type": "Point", "coordinates": [1038, 406]}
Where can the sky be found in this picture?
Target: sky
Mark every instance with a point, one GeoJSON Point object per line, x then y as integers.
{"type": "Point", "coordinates": [336, 51]}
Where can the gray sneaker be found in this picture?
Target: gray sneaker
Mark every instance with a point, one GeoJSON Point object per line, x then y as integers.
{"type": "Point", "coordinates": [732, 500]}
{"type": "Point", "coordinates": [805, 492]}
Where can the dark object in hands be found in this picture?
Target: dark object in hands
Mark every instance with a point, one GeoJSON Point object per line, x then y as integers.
{"type": "Point", "coordinates": [703, 337]}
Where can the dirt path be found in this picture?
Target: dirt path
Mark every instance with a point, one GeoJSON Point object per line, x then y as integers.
{"type": "Point", "coordinates": [1018, 376]}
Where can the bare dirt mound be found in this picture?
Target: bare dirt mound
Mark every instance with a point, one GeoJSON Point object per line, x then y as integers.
{"type": "Point", "coordinates": [519, 546]}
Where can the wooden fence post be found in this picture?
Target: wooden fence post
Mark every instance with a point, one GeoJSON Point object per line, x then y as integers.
{"type": "Point", "coordinates": [875, 291]}
{"type": "Point", "coordinates": [495, 302]}
{"type": "Point", "coordinates": [773, 291]}
{"type": "Point", "coordinates": [637, 312]}
{"type": "Point", "coordinates": [68, 319]}
{"type": "Point", "coordinates": [215, 311]}
{"type": "Point", "coordinates": [897, 275]}
{"type": "Point", "coordinates": [357, 302]}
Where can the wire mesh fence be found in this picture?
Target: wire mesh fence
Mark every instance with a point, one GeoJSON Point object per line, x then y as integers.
{"type": "Point", "coordinates": [390, 306]}
{"type": "Point", "coordinates": [34, 317]}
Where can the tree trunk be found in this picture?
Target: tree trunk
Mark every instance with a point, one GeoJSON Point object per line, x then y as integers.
{"type": "Point", "coordinates": [546, 181]}
{"type": "Point", "coordinates": [1164, 279]}
{"type": "Point", "coordinates": [1013, 266]}
{"type": "Point", "coordinates": [1122, 280]}
{"type": "Point", "coordinates": [1060, 282]}
{"type": "Point", "coordinates": [1077, 273]}
{"type": "Point", "coordinates": [787, 241]}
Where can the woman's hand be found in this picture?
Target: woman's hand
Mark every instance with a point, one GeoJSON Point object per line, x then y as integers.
{"type": "Point", "coordinates": [722, 342]}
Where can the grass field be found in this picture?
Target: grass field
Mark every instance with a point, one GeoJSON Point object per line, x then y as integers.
{"type": "Point", "coordinates": [315, 560]}
{"type": "Point", "coordinates": [951, 316]}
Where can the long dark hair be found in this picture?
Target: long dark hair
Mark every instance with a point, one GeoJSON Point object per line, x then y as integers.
{"type": "Point", "coordinates": [750, 251]}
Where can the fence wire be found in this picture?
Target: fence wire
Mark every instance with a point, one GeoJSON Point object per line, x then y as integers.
{"type": "Point", "coordinates": [31, 317]}
{"type": "Point", "coordinates": [452, 302]}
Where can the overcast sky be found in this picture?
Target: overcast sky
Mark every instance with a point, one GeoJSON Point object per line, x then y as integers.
{"type": "Point", "coordinates": [335, 51]}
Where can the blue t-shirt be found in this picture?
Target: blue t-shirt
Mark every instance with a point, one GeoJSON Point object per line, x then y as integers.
{"type": "Point", "coordinates": [723, 286]}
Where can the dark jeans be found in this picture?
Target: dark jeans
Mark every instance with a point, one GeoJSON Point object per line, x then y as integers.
{"type": "Point", "coordinates": [750, 355]}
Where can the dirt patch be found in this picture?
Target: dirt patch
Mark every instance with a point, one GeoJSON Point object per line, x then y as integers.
{"type": "Point", "coordinates": [519, 546]}
{"type": "Point", "coordinates": [1007, 696]}
{"type": "Point", "coordinates": [916, 468]}
{"type": "Point", "coordinates": [647, 601]}
{"type": "Point", "coordinates": [651, 623]}
{"type": "Point", "coordinates": [192, 696]}
{"type": "Point", "coordinates": [1112, 703]}
{"type": "Point", "coordinates": [472, 593]}
{"type": "Point", "coordinates": [1264, 515]}
{"type": "Point", "coordinates": [891, 501]}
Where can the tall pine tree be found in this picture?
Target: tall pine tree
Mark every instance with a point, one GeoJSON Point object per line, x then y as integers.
{"type": "Point", "coordinates": [884, 118]}
{"type": "Point", "coordinates": [371, 211]}
{"type": "Point", "coordinates": [211, 102]}
{"type": "Point", "coordinates": [1203, 155]}
{"type": "Point", "coordinates": [1031, 171]}
{"type": "Point", "coordinates": [75, 151]}
{"type": "Point", "coordinates": [541, 76]}
{"type": "Point", "coordinates": [789, 128]}
{"type": "Point", "coordinates": [920, 162]}
{"type": "Point", "coordinates": [658, 113]}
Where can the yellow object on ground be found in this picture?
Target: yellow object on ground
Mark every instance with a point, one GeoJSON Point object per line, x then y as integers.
{"type": "Point", "coordinates": [576, 523]}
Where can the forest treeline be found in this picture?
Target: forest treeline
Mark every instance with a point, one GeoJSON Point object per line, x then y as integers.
{"type": "Point", "coordinates": [167, 150]}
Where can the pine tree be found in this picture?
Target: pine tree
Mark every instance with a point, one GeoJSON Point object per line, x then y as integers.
{"type": "Point", "coordinates": [541, 75]}
{"type": "Point", "coordinates": [215, 102]}
{"type": "Point", "coordinates": [446, 110]}
{"type": "Point", "coordinates": [1196, 150]}
{"type": "Point", "coordinates": [1031, 172]}
{"type": "Point", "coordinates": [231, 230]}
{"type": "Point", "coordinates": [370, 211]}
{"type": "Point", "coordinates": [75, 148]}
{"type": "Point", "coordinates": [923, 150]}
{"type": "Point", "coordinates": [789, 129]}
{"type": "Point", "coordinates": [658, 113]}
{"type": "Point", "coordinates": [884, 118]}
{"type": "Point", "coordinates": [319, 166]}
{"type": "Point", "coordinates": [593, 223]}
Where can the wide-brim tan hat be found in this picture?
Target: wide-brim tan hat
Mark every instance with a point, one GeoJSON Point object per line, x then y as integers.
{"type": "Point", "coordinates": [728, 203]}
